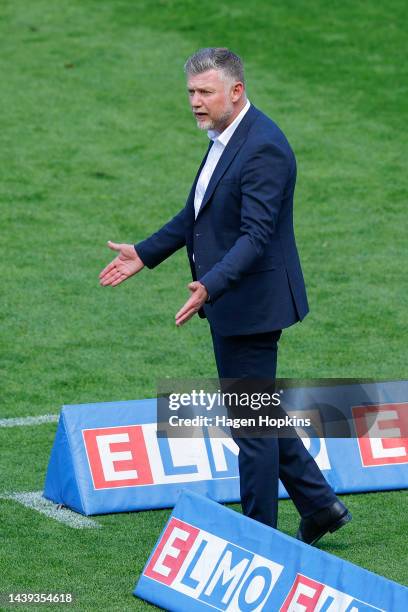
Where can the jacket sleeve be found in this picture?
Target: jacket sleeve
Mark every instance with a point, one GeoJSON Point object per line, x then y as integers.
{"type": "Point", "coordinates": [263, 180]}
{"type": "Point", "coordinates": [164, 242]}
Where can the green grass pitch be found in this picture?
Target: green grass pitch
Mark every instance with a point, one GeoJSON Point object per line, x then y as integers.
{"type": "Point", "coordinates": [98, 143]}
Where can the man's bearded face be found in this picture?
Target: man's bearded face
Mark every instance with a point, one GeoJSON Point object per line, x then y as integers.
{"type": "Point", "coordinates": [210, 99]}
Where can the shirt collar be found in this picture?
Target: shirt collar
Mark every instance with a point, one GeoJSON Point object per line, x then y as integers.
{"type": "Point", "coordinates": [224, 137]}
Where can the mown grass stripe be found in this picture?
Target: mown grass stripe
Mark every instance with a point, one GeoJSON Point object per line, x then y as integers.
{"type": "Point", "coordinates": [35, 501]}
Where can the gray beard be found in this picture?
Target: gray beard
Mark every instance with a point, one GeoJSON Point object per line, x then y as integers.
{"type": "Point", "coordinates": [218, 126]}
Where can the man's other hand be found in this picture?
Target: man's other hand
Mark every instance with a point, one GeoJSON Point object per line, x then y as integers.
{"type": "Point", "coordinates": [199, 296]}
{"type": "Point", "coordinates": [125, 265]}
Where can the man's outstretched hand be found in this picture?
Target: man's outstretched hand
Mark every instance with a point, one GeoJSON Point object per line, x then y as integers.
{"type": "Point", "coordinates": [125, 265]}
{"type": "Point", "coordinates": [199, 296]}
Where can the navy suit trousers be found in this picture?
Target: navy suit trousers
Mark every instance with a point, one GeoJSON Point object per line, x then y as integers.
{"type": "Point", "coordinates": [265, 460]}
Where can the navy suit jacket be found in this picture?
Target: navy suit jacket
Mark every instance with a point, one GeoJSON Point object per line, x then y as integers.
{"type": "Point", "coordinates": [242, 239]}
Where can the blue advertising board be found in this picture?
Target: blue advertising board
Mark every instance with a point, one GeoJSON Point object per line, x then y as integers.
{"type": "Point", "coordinates": [108, 458]}
{"type": "Point", "coordinates": [209, 557]}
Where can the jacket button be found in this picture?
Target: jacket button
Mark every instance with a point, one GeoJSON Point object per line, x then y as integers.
{"type": "Point", "coordinates": [197, 235]}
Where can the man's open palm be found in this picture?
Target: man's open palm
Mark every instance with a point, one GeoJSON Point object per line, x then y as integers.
{"type": "Point", "coordinates": [125, 265]}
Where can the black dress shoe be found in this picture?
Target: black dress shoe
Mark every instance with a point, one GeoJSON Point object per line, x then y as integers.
{"type": "Point", "coordinates": [313, 527]}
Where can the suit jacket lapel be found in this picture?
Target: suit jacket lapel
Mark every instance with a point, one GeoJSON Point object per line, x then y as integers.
{"type": "Point", "coordinates": [190, 199]}
{"type": "Point", "coordinates": [232, 148]}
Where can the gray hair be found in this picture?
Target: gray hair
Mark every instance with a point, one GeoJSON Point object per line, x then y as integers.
{"type": "Point", "coordinates": [216, 58]}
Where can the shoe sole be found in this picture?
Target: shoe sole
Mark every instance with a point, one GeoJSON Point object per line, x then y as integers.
{"type": "Point", "coordinates": [340, 523]}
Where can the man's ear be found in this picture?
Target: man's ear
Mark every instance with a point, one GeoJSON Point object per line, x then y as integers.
{"type": "Point", "coordinates": [237, 91]}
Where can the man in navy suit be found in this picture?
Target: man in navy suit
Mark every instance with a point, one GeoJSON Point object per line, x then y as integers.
{"type": "Point", "coordinates": [237, 226]}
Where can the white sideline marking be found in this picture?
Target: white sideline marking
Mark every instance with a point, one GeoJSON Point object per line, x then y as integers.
{"type": "Point", "coordinates": [30, 420]}
{"type": "Point", "coordinates": [35, 501]}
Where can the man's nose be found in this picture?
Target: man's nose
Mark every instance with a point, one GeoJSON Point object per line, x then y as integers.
{"type": "Point", "coordinates": [195, 100]}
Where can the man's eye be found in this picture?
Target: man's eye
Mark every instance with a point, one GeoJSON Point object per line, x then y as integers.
{"type": "Point", "coordinates": [203, 92]}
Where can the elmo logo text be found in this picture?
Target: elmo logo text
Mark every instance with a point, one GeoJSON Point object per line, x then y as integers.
{"type": "Point", "coordinates": [216, 572]}
{"type": "Point", "coordinates": [382, 433]}
{"type": "Point", "coordinates": [133, 455]}
{"type": "Point", "coordinates": [212, 570]}
{"type": "Point", "coordinates": [307, 595]}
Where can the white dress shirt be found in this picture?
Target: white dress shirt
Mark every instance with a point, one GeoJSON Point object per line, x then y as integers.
{"type": "Point", "coordinates": [220, 141]}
